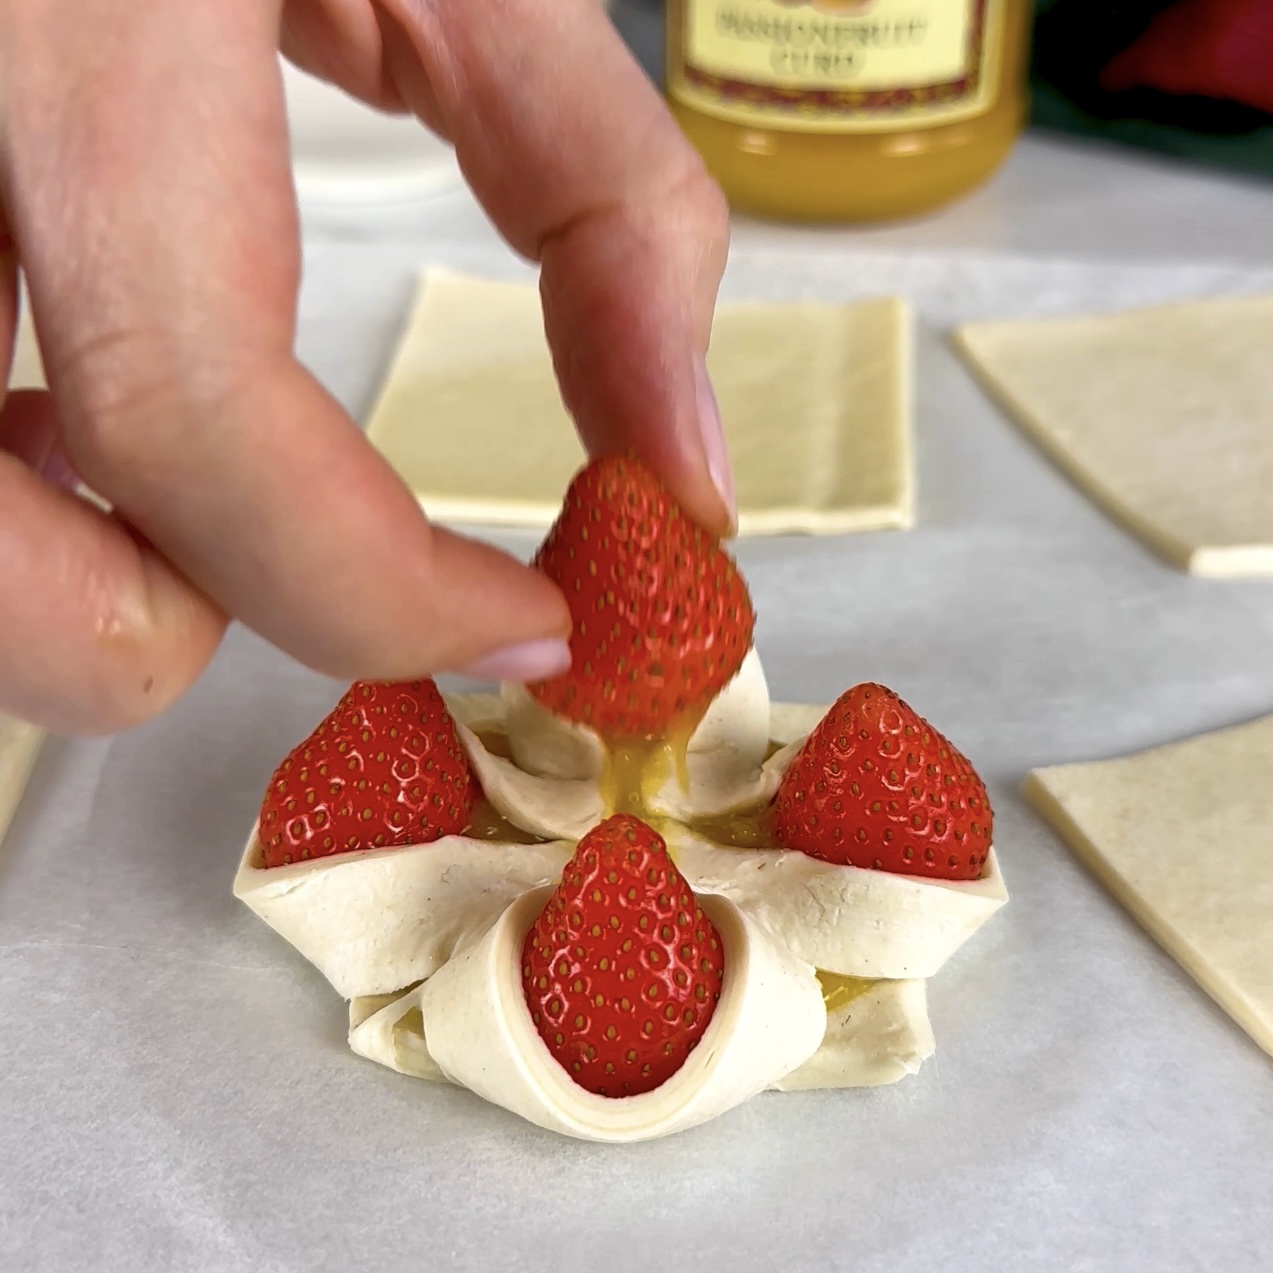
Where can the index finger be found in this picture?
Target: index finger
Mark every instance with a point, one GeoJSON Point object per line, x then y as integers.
{"type": "Point", "coordinates": [581, 167]}
{"type": "Point", "coordinates": [160, 244]}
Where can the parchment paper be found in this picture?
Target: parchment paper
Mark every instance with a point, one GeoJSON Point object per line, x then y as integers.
{"type": "Point", "coordinates": [177, 1094]}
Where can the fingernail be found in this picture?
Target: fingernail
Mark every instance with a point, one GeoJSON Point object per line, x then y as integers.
{"type": "Point", "coordinates": [29, 433]}
{"type": "Point", "coordinates": [713, 433]}
{"type": "Point", "coordinates": [40, 450]}
{"type": "Point", "coordinates": [532, 661]}
{"type": "Point", "coordinates": [57, 469]}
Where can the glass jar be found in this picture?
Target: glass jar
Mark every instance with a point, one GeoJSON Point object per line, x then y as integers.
{"type": "Point", "coordinates": [848, 110]}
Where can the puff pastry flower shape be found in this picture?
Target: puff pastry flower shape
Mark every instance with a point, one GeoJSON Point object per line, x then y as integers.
{"type": "Point", "coordinates": [625, 901]}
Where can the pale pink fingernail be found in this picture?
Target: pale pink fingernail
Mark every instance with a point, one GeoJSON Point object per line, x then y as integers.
{"type": "Point", "coordinates": [42, 455]}
{"type": "Point", "coordinates": [30, 434]}
{"type": "Point", "coordinates": [531, 661]}
{"type": "Point", "coordinates": [57, 469]}
{"type": "Point", "coordinates": [714, 449]}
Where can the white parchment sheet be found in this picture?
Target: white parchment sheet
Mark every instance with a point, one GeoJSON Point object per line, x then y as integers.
{"type": "Point", "coordinates": [177, 1093]}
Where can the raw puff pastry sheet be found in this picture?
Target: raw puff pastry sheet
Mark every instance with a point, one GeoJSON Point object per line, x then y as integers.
{"type": "Point", "coordinates": [815, 399]}
{"type": "Point", "coordinates": [1182, 835]}
{"type": "Point", "coordinates": [404, 915]}
{"type": "Point", "coordinates": [1164, 416]}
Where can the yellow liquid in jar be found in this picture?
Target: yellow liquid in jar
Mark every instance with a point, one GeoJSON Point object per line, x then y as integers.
{"type": "Point", "coordinates": [788, 174]}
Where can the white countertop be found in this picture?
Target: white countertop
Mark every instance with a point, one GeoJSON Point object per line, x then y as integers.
{"type": "Point", "coordinates": [177, 1091]}
{"type": "Point", "coordinates": [1055, 197]}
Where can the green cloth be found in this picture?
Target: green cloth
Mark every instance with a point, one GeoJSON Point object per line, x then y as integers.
{"type": "Point", "coordinates": [1075, 38]}
{"type": "Point", "coordinates": [1247, 152]}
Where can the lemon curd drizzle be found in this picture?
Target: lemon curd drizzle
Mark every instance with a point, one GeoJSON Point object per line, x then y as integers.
{"type": "Point", "coordinates": [742, 829]}
{"type": "Point", "coordinates": [487, 823]}
{"type": "Point", "coordinates": [636, 768]}
{"type": "Point", "coordinates": [838, 990]}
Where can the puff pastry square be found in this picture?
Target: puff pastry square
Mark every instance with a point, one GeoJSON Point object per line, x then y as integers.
{"type": "Point", "coordinates": [1163, 416]}
{"type": "Point", "coordinates": [815, 400]}
{"type": "Point", "coordinates": [1182, 835]}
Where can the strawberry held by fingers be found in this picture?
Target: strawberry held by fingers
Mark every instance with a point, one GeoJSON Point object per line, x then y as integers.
{"type": "Point", "coordinates": [622, 970]}
{"type": "Point", "coordinates": [875, 785]}
{"type": "Point", "coordinates": [662, 619]}
{"type": "Point", "coordinates": [384, 768]}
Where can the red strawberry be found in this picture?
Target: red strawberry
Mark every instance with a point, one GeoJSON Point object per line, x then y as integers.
{"type": "Point", "coordinates": [875, 785]}
{"type": "Point", "coordinates": [385, 767]}
{"type": "Point", "coordinates": [662, 617]}
{"type": "Point", "coordinates": [622, 970]}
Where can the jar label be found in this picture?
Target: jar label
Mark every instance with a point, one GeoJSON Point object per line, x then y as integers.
{"type": "Point", "coordinates": [834, 65]}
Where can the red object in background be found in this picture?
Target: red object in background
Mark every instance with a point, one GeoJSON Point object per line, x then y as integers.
{"type": "Point", "coordinates": [1204, 48]}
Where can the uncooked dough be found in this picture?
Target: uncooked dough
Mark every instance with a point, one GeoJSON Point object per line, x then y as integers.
{"type": "Point", "coordinates": [446, 922]}
{"type": "Point", "coordinates": [844, 919]}
{"type": "Point", "coordinates": [1164, 416]}
{"type": "Point", "coordinates": [19, 746]}
{"type": "Point", "coordinates": [380, 919]}
{"type": "Point", "coordinates": [881, 1036]}
{"type": "Point", "coordinates": [815, 400]}
{"type": "Point", "coordinates": [28, 370]}
{"type": "Point", "coordinates": [1183, 837]}
{"type": "Point", "coordinates": [770, 1019]}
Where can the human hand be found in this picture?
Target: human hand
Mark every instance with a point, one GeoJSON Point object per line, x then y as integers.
{"type": "Point", "coordinates": [145, 190]}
